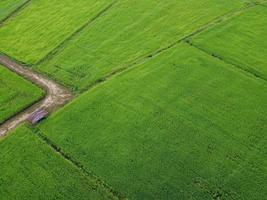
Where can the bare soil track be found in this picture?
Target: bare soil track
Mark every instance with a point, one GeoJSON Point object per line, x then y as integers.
{"type": "Point", "coordinates": [56, 95]}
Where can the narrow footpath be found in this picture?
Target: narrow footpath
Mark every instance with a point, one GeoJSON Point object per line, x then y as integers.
{"type": "Point", "coordinates": [56, 95]}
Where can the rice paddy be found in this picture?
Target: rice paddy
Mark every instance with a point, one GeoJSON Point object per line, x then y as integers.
{"type": "Point", "coordinates": [31, 170]}
{"type": "Point", "coordinates": [167, 99]}
{"type": "Point", "coordinates": [151, 140]}
{"type": "Point", "coordinates": [130, 30]}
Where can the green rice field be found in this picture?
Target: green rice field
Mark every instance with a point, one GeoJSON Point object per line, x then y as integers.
{"type": "Point", "coordinates": [151, 140]}
{"type": "Point", "coordinates": [31, 170]}
{"type": "Point", "coordinates": [167, 100]}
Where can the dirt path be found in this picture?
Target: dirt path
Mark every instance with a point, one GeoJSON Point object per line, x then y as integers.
{"type": "Point", "coordinates": [56, 95]}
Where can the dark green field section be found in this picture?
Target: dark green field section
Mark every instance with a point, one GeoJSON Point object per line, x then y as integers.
{"type": "Point", "coordinates": [183, 125]}
{"type": "Point", "coordinates": [15, 94]}
{"type": "Point", "coordinates": [31, 170]}
{"type": "Point", "coordinates": [241, 41]}
{"type": "Point", "coordinates": [130, 30]}
{"type": "Point", "coordinates": [9, 6]}
{"type": "Point", "coordinates": [43, 25]}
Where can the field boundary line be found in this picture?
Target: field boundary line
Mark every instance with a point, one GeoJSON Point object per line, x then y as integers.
{"type": "Point", "coordinates": [15, 12]}
{"type": "Point", "coordinates": [247, 70]}
{"type": "Point", "coordinates": [74, 35]}
{"type": "Point", "coordinates": [224, 18]}
{"type": "Point", "coordinates": [13, 59]}
{"type": "Point", "coordinates": [87, 173]}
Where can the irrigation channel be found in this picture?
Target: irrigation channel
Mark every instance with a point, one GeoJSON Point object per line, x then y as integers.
{"type": "Point", "coordinates": [56, 95]}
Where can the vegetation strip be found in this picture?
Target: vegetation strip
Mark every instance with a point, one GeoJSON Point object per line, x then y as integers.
{"type": "Point", "coordinates": [56, 95]}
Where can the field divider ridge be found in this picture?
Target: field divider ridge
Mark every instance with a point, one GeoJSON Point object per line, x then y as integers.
{"type": "Point", "coordinates": [247, 70]}
{"type": "Point", "coordinates": [15, 12]}
{"type": "Point", "coordinates": [87, 173]}
{"type": "Point", "coordinates": [75, 34]}
{"type": "Point", "coordinates": [226, 17]}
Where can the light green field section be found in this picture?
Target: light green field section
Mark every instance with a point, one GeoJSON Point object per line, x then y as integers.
{"type": "Point", "coordinates": [8, 6]}
{"type": "Point", "coordinates": [242, 41]}
{"type": "Point", "coordinates": [43, 25]}
{"type": "Point", "coordinates": [31, 170]}
{"type": "Point", "coordinates": [128, 31]}
{"type": "Point", "coordinates": [181, 126]}
{"type": "Point", "coordinates": [15, 93]}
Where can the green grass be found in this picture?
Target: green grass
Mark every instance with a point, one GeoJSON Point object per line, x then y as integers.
{"type": "Point", "coordinates": [8, 6]}
{"type": "Point", "coordinates": [128, 31]}
{"type": "Point", "coordinates": [31, 170]}
{"type": "Point", "coordinates": [15, 93]}
{"type": "Point", "coordinates": [43, 25]}
{"type": "Point", "coordinates": [181, 126]}
{"type": "Point", "coordinates": [242, 41]}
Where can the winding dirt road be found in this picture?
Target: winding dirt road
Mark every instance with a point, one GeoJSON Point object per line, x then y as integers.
{"type": "Point", "coordinates": [56, 95]}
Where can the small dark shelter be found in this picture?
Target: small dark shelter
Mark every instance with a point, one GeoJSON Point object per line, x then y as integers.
{"type": "Point", "coordinates": [38, 116]}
